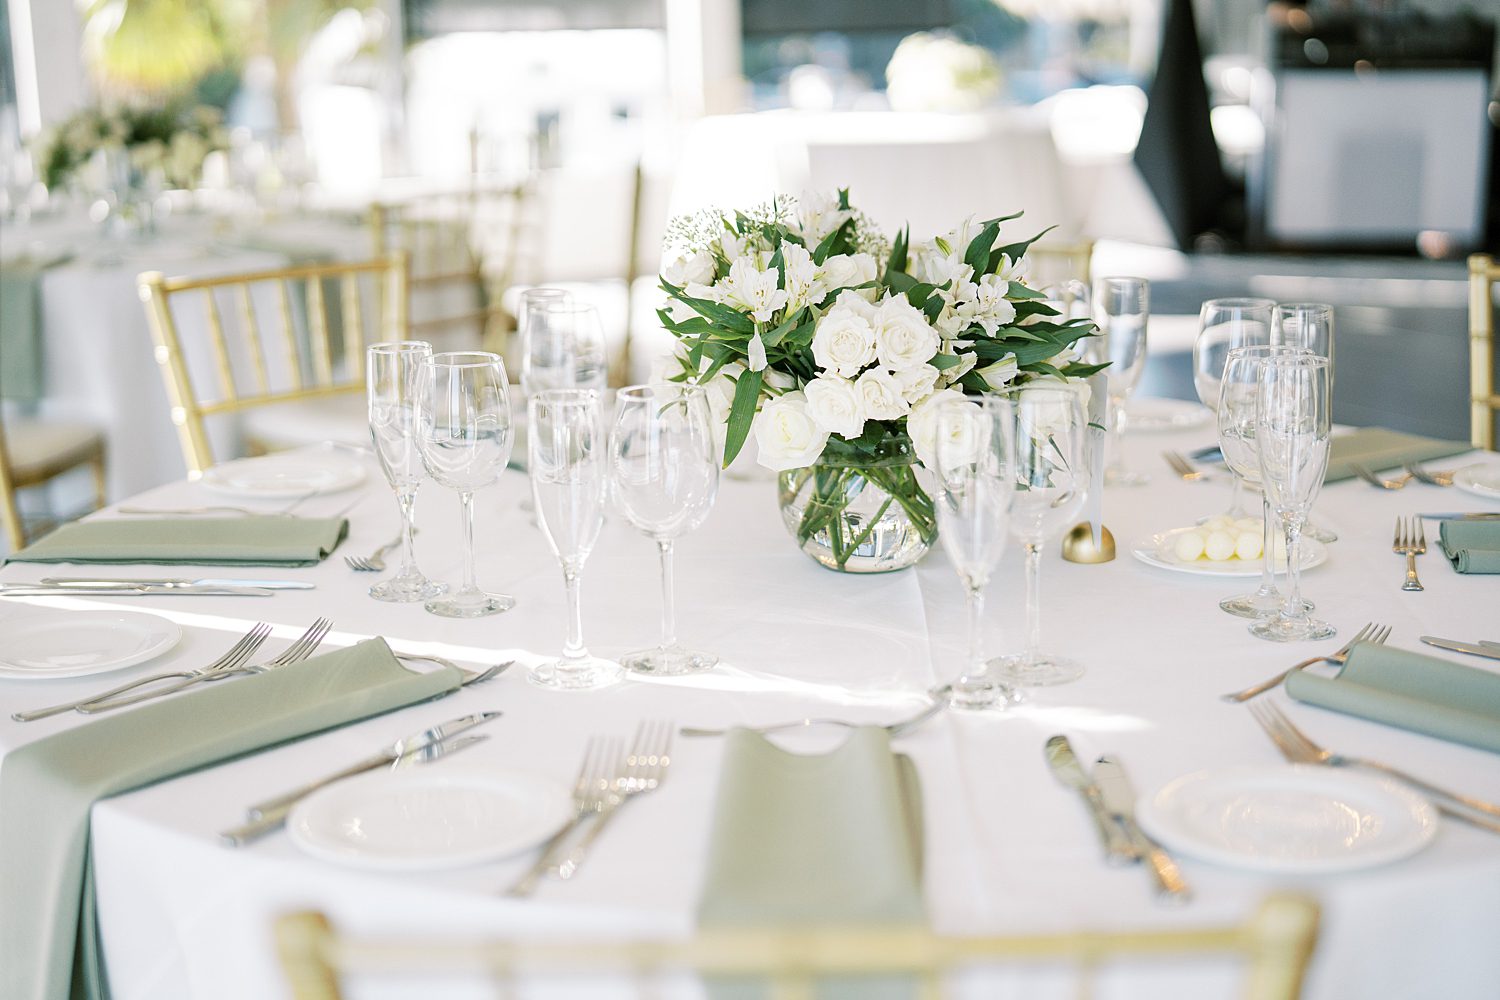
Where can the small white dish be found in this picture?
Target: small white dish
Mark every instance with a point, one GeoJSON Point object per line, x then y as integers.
{"type": "Point", "coordinates": [285, 476]}
{"type": "Point", "coordinates": [1297, 819]}
{"type": "Point", "coordinates": [1159, 551]}
{"type": "Point", "coordinates": [80, 643]}
{"type": "Point", "coordinates": [1480, 480]}
{"type": "Point", "coordinates": [428, 818]}
{"type": "Point", "coordinates": [1154, 416]}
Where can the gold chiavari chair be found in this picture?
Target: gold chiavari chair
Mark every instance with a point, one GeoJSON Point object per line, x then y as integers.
{"type": "Point", "coordinates": [35, 452]}
{"type": "Point", "coordinates": [1275, 945]}
{"type": "Point", "coordinates": [310, 351]}
{"type": "Point", "coordinates": [1484, 402]}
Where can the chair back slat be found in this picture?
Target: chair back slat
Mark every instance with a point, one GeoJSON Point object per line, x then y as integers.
{"type": "Point", "coordinates": [317, 322]}
{"type": "Point", "coordinates": [257, 350]}
{"type": "Point", "coordinates": [1484, 402]}
{"type": "Point", "coordinates": [289, 334]}
{"type": "Point", "coordinates": [353, 323]}
{"type": "Point", "coordinates": [225, 369]}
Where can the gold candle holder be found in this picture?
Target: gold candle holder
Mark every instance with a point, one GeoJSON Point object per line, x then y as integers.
{"type": "Point", "coordinates": [1078, 544]}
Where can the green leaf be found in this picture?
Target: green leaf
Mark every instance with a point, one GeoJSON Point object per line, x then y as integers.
{"type": "Point", "coordinates": [1020, 291]}
{"type": "Point", "coordinates": [1076, 369]}
{"type": "Point", "coordinates": [977, 255]}
{"type": "Point", "coordinates": [974, 382]}
{"type": "Point", "coordinates": [943, 245]}
{"type": "Point", "coordinates": [774, 337]}
{"type": "Point", "coordinates": [741, 413]}
{"type": "Point", "coordinates": [843, 199]}
{"type": "Point", "coordinates": [933, 308]}
{"type": "Point", "coordinates": [899, 281]}
{"type": "Point", "coordinates": [1006, 218]}
{"type": "Point", "coordinates": [1015, 251]}
{"type": "Point", "coordinates": [918, 293]}
{"type": "Point", "coordinates": [942, 362]}
{"type": "Point", "coordinates": [897, 262]}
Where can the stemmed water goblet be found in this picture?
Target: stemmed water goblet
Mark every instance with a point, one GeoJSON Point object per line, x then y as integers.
{"type": "Point", "coordinates": [1292, 433]}
{"type": "Point", "coordinates": [974, 455]}
{"type": "Point", "coordinates": [564, 347]}
{"type": "Point", "coordinates": [664, 471]}
{"type": "Point", "coordinates": [1122, 307]}
{"type": "Point", "coordinates": [1223, 325]}
{"type": "Point", "coordinates": [538, 353]}
{"type": "Point", "coordinates": [566, 458]}
{"type": "Point", "coordinates": [1309, 325]}
{"type": "Point", "coordinates": [464, 436]}
{"type": "Point", "coordinates": [1050, 477]}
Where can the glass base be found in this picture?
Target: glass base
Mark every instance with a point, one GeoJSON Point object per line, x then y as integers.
{"type": "Point", "coordinates": [976, 694]}
{"type": "Point", "coordinates": [408, 589]}
{"type": "Point", "coordinates": [1281, 629]}
{"type": "Point", "coordinates": [1319, 533]}
{"type": "Point", "coordinates": [669, 662]}
{"type": "Point", "coordinates": [586, 673]}
{"type": "Point", "coordinates": [1116, 477]}
{"type": "Point", "coordinates": [471, 604]}
{"type": "Point", "coordinates": [1259, 605]}
{"type": "Point", "coordinates": [1041, 670]}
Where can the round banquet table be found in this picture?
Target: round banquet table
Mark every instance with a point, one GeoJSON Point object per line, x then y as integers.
{"type": "Point", "coordinates": [1008, 849]}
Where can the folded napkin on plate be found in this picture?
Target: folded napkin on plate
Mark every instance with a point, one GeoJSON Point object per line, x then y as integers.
{"type": "Point", "coordinates": [1472, 546]}
{"type": "Point", "coordinates": [1411, 691]}
{"type": "Point", "coordinates": [206, 541]}
{"type": "Point", "coordinates": [1377, 448]}
{"type": "Point", "coordinates": [48, 948]}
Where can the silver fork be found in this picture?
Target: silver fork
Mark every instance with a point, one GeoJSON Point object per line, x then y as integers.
{"type": "Point", "coordinates": [1297, 747]}
{"type": "Point", "coordinates": [305, 646]}
{"type": "Point", "coordinates": [897, 728]}
{"type": "Point", "coordinates": [375, 561]}
{"type": "Point", "coordinates": [1410, 541]}
{"type": "Point", "coordinates": [593, 791]}
{"type": "Point", "coordinates": [1184, 468]}
{"type": "Point", "coordinates": [1371, 633]}
{"type": "Point", "coordinates": [1430, 478]}
{"type": "Point", "coordinates": [1374, 480]}
{"type": "Point", "coordinates": [645, 769]}
{"type": "Point", "coordinates": [237, 654]}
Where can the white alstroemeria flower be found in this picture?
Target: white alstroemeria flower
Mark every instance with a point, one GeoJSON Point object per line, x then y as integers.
{"type": "Point", "coordinates": [1001, 374]}
{"type": "Point", "coordinates": [902, 337]}
{"type": "Point", "coordinates": [844, 271]}
{"type": "Point", "coordinates": [1012, 270]}
{"type": "Point", "coordinates": [802, 282]}
{"type": "Point", "coordinates": [733, 247]}
{"type": "Point", "coordinates": [966, 361]}
{"type": "Point", "coordinates": [696, 270]}
{"type": "Point", "coordinates": [916, 383]}
{"type": "Point", "coordinates": [778, 381]}
{"type": "Point", "coordinates": [985, 303]}
{"type": "Point", "coordinates": [756, 350]}
{"type": "Point", "coordinates": [835, 406]}
{"type": "Point", "coordinates": [922, 425]}
{"type": "Point", "coordinates": [937, 268]}
{"type": "Point", "coordinates": [785, 435]}
{"type": "Point", "coordinates": [843, 342]}
{"type": "Point", "coordinates": [753, 290]}
{"type": "Point", "coordinates": [712, 293]}
{"type": "Point", "coordinates": [882, 395]}
{"type": "Point", "coordinates": [818, 215]}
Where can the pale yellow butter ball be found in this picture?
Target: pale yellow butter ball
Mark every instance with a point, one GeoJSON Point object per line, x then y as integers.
{"type": "Point", "coordinates": [1189, 546]}
{"type": "Point", "coordinates": [1219, 546]}
{"type": "Point", "coordinates": [1248, 545]}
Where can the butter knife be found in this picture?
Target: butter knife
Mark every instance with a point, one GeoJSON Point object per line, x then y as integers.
{"type": "Point", "coordinates": [1067, 769]}
{"type": "Point", "coordinates": [135, 590]}
{"type": "Point", "coordinates": [1462, 516]}
{"type": "Point", "coordinates": [1119, 799]}
{"type": "Point", "coordinates": [1487, 649]}
{"type": "Point", "coordinates": [81, 581]}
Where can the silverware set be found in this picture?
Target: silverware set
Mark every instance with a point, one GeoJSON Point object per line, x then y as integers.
{"type": "Point", "coordinates": [1371, 633]}
{"type": "Point", "coordinates": [1410, 471]}
{"type": "Point", "coordinates": [1483, 647]}
{"type": "Point", "coordinates": [1410, 541]}
{"type": "Point", "coordinates": [1184, 468]}
{"type": "Point", "coordinates": [375, 561]}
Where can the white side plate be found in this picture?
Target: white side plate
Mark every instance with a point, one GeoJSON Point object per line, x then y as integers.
{"type": "Point", "coordinates": [1480, 480]}
{"type": "Point", "coordinates": [79, 643]}
{"type": "Point", "coordinates": [428, 818]}
{"type": "Point", "coordinates": [286, 476]}
{"type": "Point", "coordinates": [1153, 416]}
{"type": "Point", "coordinates": [1158, 551]}
{"type": "Point", "coordinates": [1293, 819]}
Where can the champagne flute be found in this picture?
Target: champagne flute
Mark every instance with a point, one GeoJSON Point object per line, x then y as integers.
{"type": "Point", "coordinates": [664, 469]}
{"type": "Point", "coordinates": [1050, 477]}
{"type": "Point", "coordinates": [1309, 325]}
{"type": "Point", "coordinates": [464, 435]}
{"type": "Point", "coordinates": [566, 460]}
{"type": "Point", "coordinates": [564, 347]}
{"type": "Point", "coordinates": [1292, 430]}
{"type": "Point", "coordinates": [975, 455]}
{"type": "Point", "coordinates": [1223, 325]}
{"type": "Point", "coordinates": [534, 302]}
{"type": "Point", "coordinates": [1122, 307]}
{"type": "Point", "coordinates": [393, 374]}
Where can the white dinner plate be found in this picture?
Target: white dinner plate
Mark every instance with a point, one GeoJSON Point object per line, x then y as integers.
{"type": "Point", "coordinates": [79, 643]}
{"type": "Point", "coordinates": [1158, 551]}
{"type": "Point", "coordinates": [1481, 480]}
{"type": "Point", "coordinates": [285, 476]}
{"type": "Point", "coordinates": [428, 818]}
{"type": "Point", "coordinates": [1300, 818]}
{"type": "Point", "coordinates": [1156, 415]}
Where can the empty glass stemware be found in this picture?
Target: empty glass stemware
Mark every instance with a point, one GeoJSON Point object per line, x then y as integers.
{"type": "Point", "coordinates": [529, 328]}
{"type": "Point", "coordinates": [664, 469]}
{"type": "Point", "coordinates": [1122, 307]}
{"type": "Point", "coordinates": [1223, 325]}
{"type": "Point", "coordinates": [974, 455]}
{"type": "Point", "coordinates": [564, 347]}
{"type": "Point", "coordinates": [1309, 325]}
{"type": "Point", "coordinates": [464, 435]}
{"type": "Point", "coordinates": [393, 373]}
{"type": "Point", "coordinates": [1050, 476]}
{"type": "Point", "coordinates": [566, 461]}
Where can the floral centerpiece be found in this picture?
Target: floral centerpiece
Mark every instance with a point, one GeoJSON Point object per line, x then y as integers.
{"type": "Point", "coordinates": [171, 141]}
{"type": "Point", "coordinates": [835, 346]}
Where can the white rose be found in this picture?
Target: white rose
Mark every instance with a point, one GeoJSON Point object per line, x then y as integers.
{"type": "Point", "coordinates": [916, 383]}
{"type": "Point", "coordinates": [847, 270]}
{"type": "Point", "coordinates": [882, 395]}
{"type": "Point", "coordinates": [697, 269]}
{"type": "Point", "coordinates": [786, 436]}
{"type": "Point", "coordinates": [843, 342]}
{"type": "Point", "coordinates": [857, 303]}
{"type": "Point", "coordinates": [922, 425]}
{"type": "Point", "coordinates": [999, 375]}
{"type": "Point", "coordinates": [836, 406]}
{"type": "Point", "coordinates": [902, 337]}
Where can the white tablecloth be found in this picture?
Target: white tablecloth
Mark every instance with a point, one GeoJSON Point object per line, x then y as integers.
{"type": "Point", "coordinates": [1008, 849]}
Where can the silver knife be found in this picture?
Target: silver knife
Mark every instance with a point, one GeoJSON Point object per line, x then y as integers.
{"type": "Point", "coordinates": [272, 819]}
{"type": "Point", "coordinates": [1119, 799]}
{"type": "Point", "coordinates": [1462, 516]}
{"type": "Point", "coordinates": [1489, 645]}
{"type": "Point", "coordinates": [83, 581]}
{"type": "Point", "coordinates": [55, 590]}
{"type": "Point", "coordinates": [407, 744]}
{"type": "Point", "coordinates": [1489, 649]}
{"type": "Point", "coordinates": [1067, 769]}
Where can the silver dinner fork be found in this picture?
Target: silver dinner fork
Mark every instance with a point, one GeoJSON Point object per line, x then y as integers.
{"type": "Point", "coordinates": [593, 791]}
{"type": "Point", "coordinates": [1429, 477]}
{"type": "Point", "coordinates": [1410, 541]}
{"type": "Point", "coordinates": [237, 654]}
{"type": "Point", "coordinates": [645, 769]}
{"type": "Point", "coordinates": [1385, 484]}
{"type": "Point", "coordinates": [1184, 468]}
{"type": "Point", "coordinates": [898, 728]}
{"type": "Point", "coordinates": [1371, 633]}
{"type": "Point", "coordinates": [1298, 748]}
{"type": "Point", "coordinates": [375, 561]}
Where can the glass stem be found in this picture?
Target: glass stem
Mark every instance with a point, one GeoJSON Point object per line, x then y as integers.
{"type": "Point", "coordinates": [1235, 510]}
{"type": "Point", "coordinates": [1292, 608]}
{"type": "Point", "coordinates": [408, 501]}
{"type": "Point", "coordinates": [1117, 433]}
{"type": "Point", "coordinates": [574, 648]}
{"type": "Point", "coordinates": [471, 584]}
{"type": "Point", "coordinates": [668, 606]}
{"type": "Point", "coordinates": [1268, 548]}
{"type": "Point", "coordinates": [976, 642]}
{"type": "Point", "coordinates": [1033, 601]}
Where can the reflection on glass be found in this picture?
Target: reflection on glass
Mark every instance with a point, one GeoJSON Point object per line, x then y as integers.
{"type": "Point", "coordinates": [393, 373]}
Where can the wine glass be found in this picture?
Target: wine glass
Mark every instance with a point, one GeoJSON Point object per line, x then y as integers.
{"type": "Point", "coordinates": [534, 302]}
{"type": "Point", "coordinates": [1309, 325]}
{"type": "Point", "coordinates": [566, 460]}
{"type": "Point", "coordinates": [393, 374]}
{"type": "Point", "coordinates": [1050, 478]}
{"type": "Point", "coordinates": [464, 435]}
{"type": "Point", "coordinates": [1292, 425]}
{"type": "Point", "coordinates": [1122, 307]}
{"type": "Point", "coordinates": [564, 347]}
{"type": "Point", "coordinates": [975, 456]}
{"type": "Point", "coordinates": [1223, 325]}
{"type": "Point", "coordinates": [664, 469]}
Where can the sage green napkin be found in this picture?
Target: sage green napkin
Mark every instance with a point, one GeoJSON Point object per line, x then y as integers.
{"type": "Point", "coordinates": [47, 951]}
{"type": "Point", "coordinates": [1377, 448]}
{"type": "Point", "coordinates": [227, 541]}
{"type": "Point", "coordinates": [1411, 691]}
{"type": "Point", "coordinates": [21, 332]}
{"type": "Point", "coordinates": [1472, 546]}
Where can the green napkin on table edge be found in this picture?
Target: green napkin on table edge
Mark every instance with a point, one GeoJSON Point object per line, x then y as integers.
{"type": "Point", "coordinates": [1472, 546]}
{"type": "Point", "coordinates": [1377, 448]}
{"type": "Point", "coordinates": [48, 950]}
{"type": "Point", "coordinates": [203, 541]}
{"type": "Point", "coordinates": [1411, 691]}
